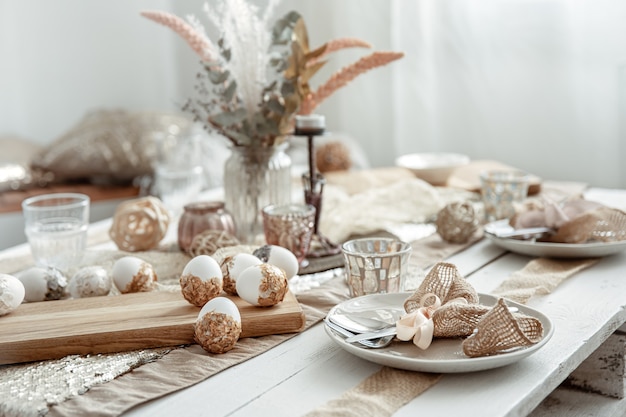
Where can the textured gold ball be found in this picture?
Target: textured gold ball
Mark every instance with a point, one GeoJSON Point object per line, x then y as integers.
{"type": "Point", "coordinates": [139, 224]}
{"type": "Point", "coordinates": [333, 156]}
{"type": "Point", "coordinates": [457, 222]}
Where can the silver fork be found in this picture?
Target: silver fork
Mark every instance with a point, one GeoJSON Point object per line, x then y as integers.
{"type": "Point", "coordinates": [376, 343]}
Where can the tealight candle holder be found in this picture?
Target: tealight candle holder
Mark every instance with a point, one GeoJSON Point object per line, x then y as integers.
{"type": "Point", "coordinates": [311, 126]}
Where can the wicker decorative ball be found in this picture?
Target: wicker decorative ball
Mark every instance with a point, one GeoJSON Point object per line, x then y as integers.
{"type": "Point", "coordinates": [457, 222]}
{"type": "Point", "coordinates": [209, 241]}
{"type": "Point", "coordinates": [333, 156]}
{"type": "Point", "coordinates": [139, 224]}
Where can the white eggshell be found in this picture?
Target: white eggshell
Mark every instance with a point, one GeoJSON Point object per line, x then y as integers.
{"type": "Point", "coordinates": [234, 266]}
{"type": "Point", "coordinates": [280, 257]}
{"type": "Point", "coordinates": [203, 267]}
{"type": "Point", "coordinates": [42, 284]}
{"type": "Point", "coordinates": [262, 285]}
{"type": "Point", "coordinates": [12, 293]}
{"type": "Point", "coordinates": [248, 284]}
{"type": "Point", "coordinates": [130, 268]}
{"type": "Point", "coordinates": [221, 305]}
{"type": "Point", "coordinates": [90, 281]}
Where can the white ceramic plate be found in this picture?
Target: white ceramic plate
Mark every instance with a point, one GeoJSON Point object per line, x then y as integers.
{"type": "Point", "coordinates": [552, 250]}
{"type": "Point", "coordinates": [443, 355]}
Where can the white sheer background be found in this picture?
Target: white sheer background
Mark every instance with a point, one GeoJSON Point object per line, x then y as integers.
{"type": "Point", "coordinates": [539, 84]}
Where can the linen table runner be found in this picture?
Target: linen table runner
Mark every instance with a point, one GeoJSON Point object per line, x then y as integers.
{"type": "Point", "coordinates": [398, 387]}
{"type": "Point", "coordinates": [50, 384]}
{"type": "Point", "coordinates": [171, 369]}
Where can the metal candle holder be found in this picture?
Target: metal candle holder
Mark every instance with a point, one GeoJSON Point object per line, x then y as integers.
{"type": "Point", "coordinates": [313, 182]}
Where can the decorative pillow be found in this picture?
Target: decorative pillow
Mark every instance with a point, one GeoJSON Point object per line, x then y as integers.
{"type": "Point", "coordinates": [111, 146]}
{"type": "Point", "coordinates": [15, 173]}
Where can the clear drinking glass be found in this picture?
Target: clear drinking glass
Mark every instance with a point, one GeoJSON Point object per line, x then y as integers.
{"type": "Point", "coordinates": [56, 228]}
{"type": "Point", "coordinates": [376, 265]}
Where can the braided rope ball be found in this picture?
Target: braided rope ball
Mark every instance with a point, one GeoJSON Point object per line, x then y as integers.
{"type": "Point", "coordinates": [457, 222]}
{"type": "Point", "coordinates": [209, 241]}
{"type": "Point", "coordinates": [139, 224]}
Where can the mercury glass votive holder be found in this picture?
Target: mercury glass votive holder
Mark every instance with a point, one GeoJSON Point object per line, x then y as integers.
{"type": "Point", "coordinates": [376, 265]}
{"type": "Point", "coordinates": [290, 226]}
{"type": "Point", "coordinates": [501, 192]}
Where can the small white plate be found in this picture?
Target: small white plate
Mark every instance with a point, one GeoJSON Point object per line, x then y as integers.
{"type": "Point", "coordinates": [443, 355]}
{"type": "Point", "coordinates": [551, 250]}
{"type": "Point", "coordinates": [435, 167]}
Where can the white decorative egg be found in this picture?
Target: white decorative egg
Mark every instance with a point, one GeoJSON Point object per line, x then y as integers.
{"type": "Point", "coordinates": [233, 266]}
{"type": "Point", "coordinates": [90, 281]}
{"type": "Point", "coordinates": [280, 257]}
{"type": "Point", "coordinates": [131, 274]}
{"type": "Point", "coordinates": [262, 285]}
{"type": "Point", "coordinates": [218, 325]}
{"type": "Point", "coordinates": [201, 280]}
{"type": "Point", "coordinates": [12, 293]}
{"type": "Point", "coordinates": [42, 284]}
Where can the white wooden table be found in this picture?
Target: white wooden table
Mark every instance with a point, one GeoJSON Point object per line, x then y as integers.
{"type": "Point", "coordinates": [308, 370]}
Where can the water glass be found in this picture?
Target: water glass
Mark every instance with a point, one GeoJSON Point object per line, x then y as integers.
{"type": "Point", "coordinates": [501, 192]}
{"type": "Point", "coordinates": [56, 228]}
{"type": "Point", "coordinates": [178, 172]}
{"type": "Point", "coordinates": [290, 226]}
{"type": "Point", "coordinates": [376, 265]}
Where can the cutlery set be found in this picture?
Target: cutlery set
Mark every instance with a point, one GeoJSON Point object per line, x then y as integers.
{"type": "Point", "coordinates": [366, 332]}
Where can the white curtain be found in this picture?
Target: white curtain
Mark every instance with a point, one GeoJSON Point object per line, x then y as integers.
{"type": "Point", "coordinates": [538, 84]}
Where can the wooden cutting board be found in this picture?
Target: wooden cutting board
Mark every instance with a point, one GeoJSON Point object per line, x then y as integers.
{"type": "Point", "coordinates": [467, 177]}
{"type": "Point", "coordinates": [53, 329]}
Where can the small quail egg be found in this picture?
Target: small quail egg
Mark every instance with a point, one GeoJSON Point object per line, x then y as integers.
{"type": "Point", "coordinates": [42, 284]}
{"type": "Point", "coordinates": [234, 265]}
{"type": "Point", "coordinates": [11, 293]}
{"type": "Point", "coordinates": [90, 281]}
{"type": "Point", "coordinates": [218, 325]}
{"type": "Point", "coordinates": [262, 285]}
{"type": "Point", "coordinates": [131, 274]}
{"type": "Point", "coordinates": [280, 257]}
{"type": "Point", "coordinates": [201, 280]}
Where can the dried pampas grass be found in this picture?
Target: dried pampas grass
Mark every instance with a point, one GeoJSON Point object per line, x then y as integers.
{"type": "Point", "coordinates": [345, 75]}
{"type": "Point", "coordinates": [200, 44]}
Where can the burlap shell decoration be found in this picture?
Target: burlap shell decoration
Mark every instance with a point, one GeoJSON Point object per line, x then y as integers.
{"type": "Point", "coordinates": [139, 224]}
{"type": "Point", "coordinates": [446, 305]}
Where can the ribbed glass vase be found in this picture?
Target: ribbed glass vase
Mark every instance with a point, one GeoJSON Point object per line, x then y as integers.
{"type": "Point", "coordinates": [255, 177]}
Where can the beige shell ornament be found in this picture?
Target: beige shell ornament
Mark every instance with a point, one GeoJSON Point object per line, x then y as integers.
{"type": "Point", "coordinates": [139, 224]}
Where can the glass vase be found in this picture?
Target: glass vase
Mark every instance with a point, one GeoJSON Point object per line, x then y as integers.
{"type": "Point", "coordinates": [255, 177]}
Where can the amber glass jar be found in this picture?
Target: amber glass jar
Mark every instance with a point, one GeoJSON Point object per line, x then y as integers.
{"type": "Point", "coordinates": [200, 216]}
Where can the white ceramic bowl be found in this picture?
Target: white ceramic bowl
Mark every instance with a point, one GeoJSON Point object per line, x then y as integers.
{"type": "Point", "coordinates": [435, 167]}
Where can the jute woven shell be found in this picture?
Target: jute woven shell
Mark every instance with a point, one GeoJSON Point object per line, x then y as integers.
{"type": "Point", "coordinates": [445, 281]}
{"type": "Point", "coordinates": [601, 225]}
{"type": "Point", "coordinates": [499, 330]}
